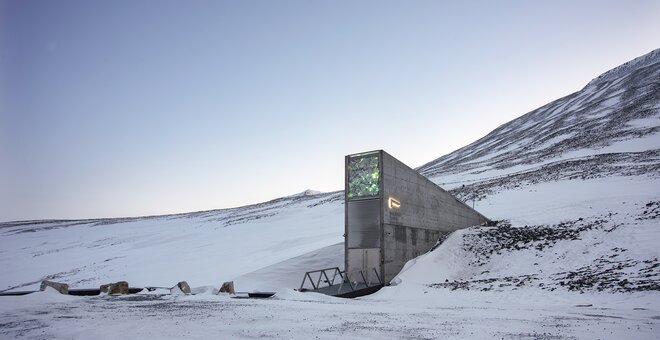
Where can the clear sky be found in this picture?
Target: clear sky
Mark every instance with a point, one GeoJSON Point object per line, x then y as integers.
{"type": "Point", "coordinates": [128, 108]}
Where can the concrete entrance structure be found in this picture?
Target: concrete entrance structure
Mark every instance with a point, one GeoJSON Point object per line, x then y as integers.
{"type": "Point", "coordinates": [394, 214]}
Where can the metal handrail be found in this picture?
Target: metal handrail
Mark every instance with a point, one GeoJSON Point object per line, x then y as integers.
{"type": "Point", "coordinates": [322, 273]}
{"type": "Point", "coordinates": [316, 284]}
{"type": "Point", "coordinates": [368, 283]}
{"type": "Point", "coordinates": [364, 279]}
{"type": "Point", "coordinates": [346, 279]}
{"type": "Point", "coordinates": [378, 276]}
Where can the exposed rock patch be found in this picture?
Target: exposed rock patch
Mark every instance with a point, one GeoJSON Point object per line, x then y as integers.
{"type": "Point", "coordinates": [606, 274]}
{"type": "Point", "coordinates": [613, 272]}
{"type": "Point", "coordinates": [650, 211]}
{"type": "Point", "coordinates": [486, 241]}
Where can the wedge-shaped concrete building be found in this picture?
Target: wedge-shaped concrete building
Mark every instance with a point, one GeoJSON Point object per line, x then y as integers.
{"type": "Point", "coordinates": [394, 214]}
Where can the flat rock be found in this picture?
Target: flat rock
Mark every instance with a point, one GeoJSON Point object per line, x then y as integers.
{"type": "Point", "coordinates": [228, 287]}
{"type": "Point", "coordinates": [180, 288]}
{"type": "Point", "coordinates": [63, 288]}
{"type": "Point", "coordinates": [117, 288]}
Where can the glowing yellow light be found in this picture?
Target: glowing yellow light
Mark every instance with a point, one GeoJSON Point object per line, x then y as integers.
{"type": "Point", "coordinates": [392, 203]}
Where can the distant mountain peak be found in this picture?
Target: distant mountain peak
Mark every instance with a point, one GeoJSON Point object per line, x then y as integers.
{"type": "Point", "coordinates": [308, 192]}
{"type": "Point", "coordinates": [623, 69]}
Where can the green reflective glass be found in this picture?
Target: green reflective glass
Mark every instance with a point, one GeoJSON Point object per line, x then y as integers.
{"type": "Point", "coordinates": [363, 176]}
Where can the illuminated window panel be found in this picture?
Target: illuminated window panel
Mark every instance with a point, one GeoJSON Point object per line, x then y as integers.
{"type": "Point", "coordinates": [363, 177]}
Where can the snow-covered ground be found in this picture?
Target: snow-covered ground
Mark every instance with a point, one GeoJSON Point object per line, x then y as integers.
{"type": "Point", "coordinates": [417, 313]}
{"type": "Point", "coordinates": [575, 186]}
{"type": "Point", "coordinates": [201, 248]}
{"type": "Point", "coordinates": [459, 291]}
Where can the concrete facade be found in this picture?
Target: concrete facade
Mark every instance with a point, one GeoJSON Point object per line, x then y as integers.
{"type": "Point", "coordinates": [402, 220]}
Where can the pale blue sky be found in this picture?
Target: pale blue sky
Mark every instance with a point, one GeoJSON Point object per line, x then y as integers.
{"type": "Point", "coordinates": [127, 108]}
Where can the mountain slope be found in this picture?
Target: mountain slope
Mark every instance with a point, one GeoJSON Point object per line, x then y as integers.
{"type": "Point", "coordinates": [609, 127]}
{"type": "Point", "coordinates": [579, 179]}
{"type": "Point", "coordinates": [581, 156]}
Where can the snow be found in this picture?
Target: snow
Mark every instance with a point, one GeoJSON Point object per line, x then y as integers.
{"type": "Point", "coordinates": [589, 270]}
{"type": "Point", "coordinates": [552, 202]}
{"type": "Point", "coordinates": [289, 273]}
{"type": "Point", "coordinates": [162, 251]}
{"type": "Point", "coordinates": [391, 313]}
{"type": "Point", "coordinates": [412, 307]}
{"type": "Point", "coordinates": [644, 122]}
{"type": "Point", "coordinates": [645, 143]}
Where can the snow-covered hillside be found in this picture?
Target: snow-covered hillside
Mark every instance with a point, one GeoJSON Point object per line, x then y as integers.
{"type": "Point", "coordinates": [206, 247]}
{"type": "Point", "coordinates": [575, 186]}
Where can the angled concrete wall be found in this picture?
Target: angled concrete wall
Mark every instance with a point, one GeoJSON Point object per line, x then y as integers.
{"type": "Point", "coordinates": [425, 213]}
{"type": "Point", "coordinates": [403, 219]}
